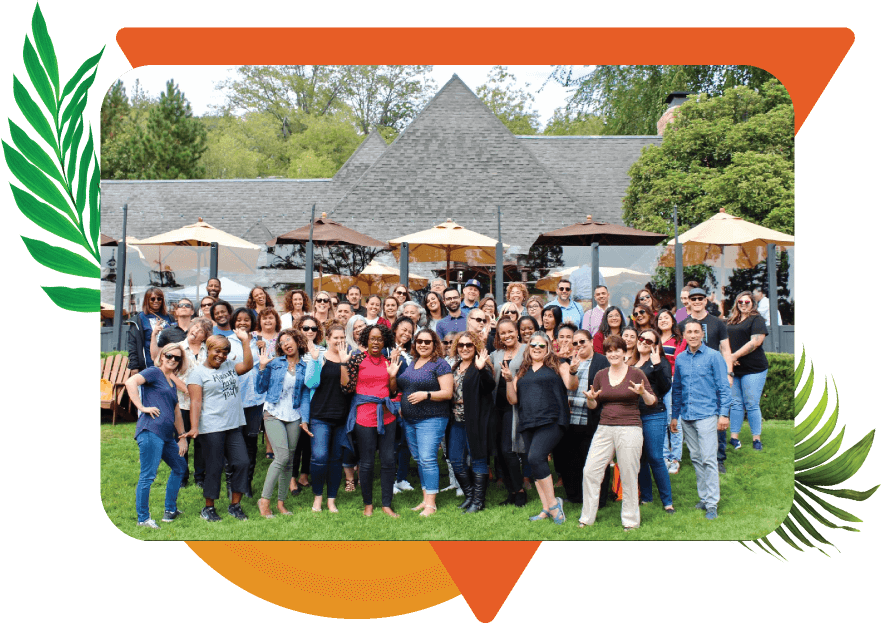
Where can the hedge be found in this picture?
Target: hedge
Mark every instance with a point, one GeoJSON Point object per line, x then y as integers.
{"type": "Point", "coordinates": [778, 397]}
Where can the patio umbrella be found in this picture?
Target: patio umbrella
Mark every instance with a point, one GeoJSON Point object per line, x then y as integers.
{"type": "Point", "coordinates": [611, 276]}
{"type": "Point", "coordinates": [372, 280]}
{"type": "Point", "coordinates": [447, 242]}
{"type": "Point", "coordinates": [107, 241]}
{"type": "Point", "coordinates": [594, 233]}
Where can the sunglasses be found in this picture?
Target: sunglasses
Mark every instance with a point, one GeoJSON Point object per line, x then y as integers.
{"type": "Point", "coordinates": [156, 298]}
{"type": "Point", "coordinates": [481, 320]}
{"type": "Point", "coordinates": [401, 292]}
{"type": "Point", "coordinates": [641, 312]}
{"type": "Point", "coordinates": [564, 289]}
{"type": "Point", "coordinates": [538, 345]}
{"type": "Point", "coordinates": [309, 328]}
{"type": "Point", "coordinates": [462, 345]}
{"type": "Point", "coordinates": [185, 305]}
{"type": "Point", "coordinates": [579, 342]}
{"type": "Point", "coordinates": [645, 297]}
{"type": "Point", "coordinates": [447, 342]}
{"type": "Point", "coordinates": [697, 298]}
{"type": "Point", "coordinates": [176, 358]}
{"type": "Point", "coordinates": [206, 305]}
{"type": "Point", "coordinates": [427, 342]}
{"type": "Point", "coordinates": [643, 340]}
{"type": "Point", "coordinates": [322, 300]}
{"type": "Point", "coordinates": [745, 302]}
{"type": "Point", "coordinates": [512, 312]}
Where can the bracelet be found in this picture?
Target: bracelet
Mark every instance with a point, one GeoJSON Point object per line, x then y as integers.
{"type": "Point", "coordinates": [429, 395]}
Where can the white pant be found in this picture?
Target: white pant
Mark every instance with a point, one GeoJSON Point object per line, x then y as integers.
{"type": "Point", "coordinates": [625, 442]}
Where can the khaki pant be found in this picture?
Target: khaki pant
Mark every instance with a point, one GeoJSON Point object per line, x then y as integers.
{"type": "Point", "coordinates": [625, 442]}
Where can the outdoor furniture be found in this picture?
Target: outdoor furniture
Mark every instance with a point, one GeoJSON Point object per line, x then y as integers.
{"type": "Point", "coordinates": [114, 374]}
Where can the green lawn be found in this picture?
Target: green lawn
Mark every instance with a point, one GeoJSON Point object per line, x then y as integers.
{"type": "Point", "coordinates": [756, 497]}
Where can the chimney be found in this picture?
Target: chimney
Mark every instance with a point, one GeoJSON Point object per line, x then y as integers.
{"type": "Point", "coordinates": [674, 101]}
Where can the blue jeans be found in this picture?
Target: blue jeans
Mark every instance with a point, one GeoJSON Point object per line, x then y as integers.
{"type": "Point", "coordinates": [154, 449]}
{"type": "Point", "coordinates": [746, 393]}
{"type": "Point", "coordinates": [424, 438]}
{"type": "Point", "coordinates": [327, 456]}
{"type": "Point", "coordinates": [673, 441]}
{"type": "Point", "coordinates": [460, 448]}
{"type": "Point", "coordinates": [652, 463]}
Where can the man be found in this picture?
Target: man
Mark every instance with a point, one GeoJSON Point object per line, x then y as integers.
{"type": "Point", "coordinates": [221, 313]}
{"type": "Point", "coordinates": [344, 312]}
{"type": "Point", "coordinates": [572, 311]}
{"type": "Point", "coordinates": [354, 297]}
{"type": "Point", "coordinates": [213, 287]}
{"type": "Point", "coordinates": [438, 285]}
{"type": "Point", "coordinates": [701, 399]}
{"type": "Point", "coordinates": [763, 306]}
{"type": "Point", "coordinates": [715, 335]}
{"type": "Point", "coordinates": [594, 318]}
{"type": "Point", "coordinates": [682, 313]}
{"type": "Point", "coordinates": [455, 321]}
{"type": "Point", "coordinates": [478, 322]}
{"type": "Point", "coordinates": [571, 453]}
{"type": "Point", "coordinates": [470, 296]}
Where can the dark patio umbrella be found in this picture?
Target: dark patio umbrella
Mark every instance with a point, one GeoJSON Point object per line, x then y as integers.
{"type": "Point", "coordinates": [594, 233]}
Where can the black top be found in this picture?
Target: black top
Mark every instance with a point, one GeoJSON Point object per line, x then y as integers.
{"type": "Point", "coordinates": [477, 389]}
{"type": "Point", "coordinates": [502, 403]}
{"type": "Point", "coordinates": [329, 403]}
{"type": "Point", "coordinates": [541, 399]}
{"type": "Point", "coordinates": [661, 380]}
{"type": "Point", "coordinates": [715, 330]}
{"type": "Point", "coordinates": [738, 335]}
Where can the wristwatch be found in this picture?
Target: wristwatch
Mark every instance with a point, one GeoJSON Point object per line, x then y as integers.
{"type": "Point", "coordinates": [429, 395]}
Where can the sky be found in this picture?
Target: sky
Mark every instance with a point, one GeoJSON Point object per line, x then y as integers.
{"type": "Point", "coordinates": [198, 83]}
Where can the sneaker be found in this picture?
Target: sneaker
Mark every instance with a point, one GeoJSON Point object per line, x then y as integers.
{"type": "Point", "coordinates": [674, 467]}
{"type": "Point", "coordinates": [459, 493]}
{"type": "Point", "coordinates": [200, 484]}
{"type": "Point", "coordinates": [711, 513]}
{"type": "Point", "coordinates": [396, 489]}
{"type": "Point", "coordinates": [170, 516]}
{"type": "Point", "coordinates": [701, 506]}
{"type": "Point", "coordinates": [757, 444]}
{"type": "Point", "coordinates": [735, 443]}
{"type": "Point", "coordinates": [209, 514]}
{"type": "Point", "coordinates": [722, 468]}
{"type": "Point", "coordinates": [149, 523]}
{"type": "Point", "coordinates": [667, 463]}
{"type": "Point", "coordinates": [404, 485]}
{"type": "Point", "coordinates": [236, 511]}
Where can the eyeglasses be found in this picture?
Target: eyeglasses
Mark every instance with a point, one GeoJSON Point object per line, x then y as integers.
{"type": "Point", "coordinates": [579, 342]}
{"type": "Point", "coordinates": [449, 299]}
{"type": "Point", "coordinates": [745, 302]}
{"type": "Point", "coordinates": [176, 358]}
{"type": "Point", "coordinates": [462, 345]}
{"type": "Point", "coordinates": [480, 320]}
{"type": "Point", "coordinates": [185, 305]}
{"type": "Point", "coordinates": [538, 345]}
{"type": "Point", "coordinates": [322, 300]}
{"type": "Point", "coordinates": [309, 328]}
{"type": "Point", "coordinates": [427, 342]}
{"type": "Point", "coordinates": [643, 340]}
{"type": "Point", "coordinates": [645, 297]}
{"type": "Point", "coordinates": [156, 298]}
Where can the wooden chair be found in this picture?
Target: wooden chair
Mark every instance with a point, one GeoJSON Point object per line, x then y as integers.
{"type": "Point", "coordinates": [114, 373]}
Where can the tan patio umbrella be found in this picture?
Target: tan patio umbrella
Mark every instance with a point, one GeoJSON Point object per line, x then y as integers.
{"type": "Point", "coordinates": [746, 242]}
{"type": "Point", "coordinates": [611, 275]}
{"type": "Point", "coordinates": [447, 242]}
{"type": "Point", "coordinates": [374, 279]}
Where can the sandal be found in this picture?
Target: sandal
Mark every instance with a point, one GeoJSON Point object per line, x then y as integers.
{"type": "Point", "coordinates": [427, 506]}
{"type": "Point", "coordinates": [544, 514]}
{"type": "Point", "coordinates": [350, 485]}
{"type": "Point", "coordinates": [561, 516]}
{"type": "Point", "coordinates": [581, 524]}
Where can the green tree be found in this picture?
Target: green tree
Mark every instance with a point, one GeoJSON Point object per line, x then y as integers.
{"type": "Point", "coordinates": [509, 103]}
{"type": "Point", "coordinates": [734, 151]}
{"type": "Point", "coordinates": [387, 96]}
{"type": "Point", "coordinates": [566, 122]}
{"type": "Point", "coordinates": [323, 146]}
{"type": "Point", "coordinates": [631, 98]}
{"type": "Point", "coordinates": [119, 145]}
{"type": "Point", "coordinates": [244, 147]}
{"type": "Point", "coordinates": [114, 115]}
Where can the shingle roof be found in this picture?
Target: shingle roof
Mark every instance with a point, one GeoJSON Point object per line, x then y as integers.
{"type": "Point", "coordinates": [368, 151]}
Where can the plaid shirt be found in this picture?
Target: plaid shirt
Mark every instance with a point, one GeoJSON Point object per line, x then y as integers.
{"type": "Point", "coordinates": [577, 401]}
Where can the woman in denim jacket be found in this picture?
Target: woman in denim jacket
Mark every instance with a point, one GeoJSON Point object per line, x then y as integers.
{"type": "Point", "coordinates": [283, 379]}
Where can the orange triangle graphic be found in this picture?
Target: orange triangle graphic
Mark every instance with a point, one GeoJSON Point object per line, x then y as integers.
{"type": "Point", "coordinates": [485, 586]}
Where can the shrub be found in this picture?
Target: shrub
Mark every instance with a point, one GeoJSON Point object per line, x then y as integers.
{"type": "Point", "coordinates": [778, 398]}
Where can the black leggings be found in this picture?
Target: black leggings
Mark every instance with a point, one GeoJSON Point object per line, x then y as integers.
{"type": "Point", "coordinates": [229, 445]}
{"type": "Point", "coordinates": [368, 440]}
{"type": "Point", "coordinates": [539, 443]}
{"type": "Point", "coordinates": [512, 475]}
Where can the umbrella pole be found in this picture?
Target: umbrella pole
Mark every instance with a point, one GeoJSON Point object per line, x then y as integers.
{"type": "Point", "coordinates": [772, 296]}
{"type": "Point", "coordinates": [310, 257]}
{"type": "Point", "coordinates": [500, 258]}
{"type": "Point", "coordinates": [594, 268]}
{"type": "Point", "coordinates": [119, 294]}
{"type": "Point", "coordinates": [680, 279]}
{"type": "Point", "coordinates": [405, 264]}
{"type": "Point", "coordinates": [448, 267]}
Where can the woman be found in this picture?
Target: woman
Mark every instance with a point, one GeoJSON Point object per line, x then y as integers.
{"type": "Point", "coordinates": [183, 318]}
{"type": "Point", "coordinates": [508, 443]}
{"type": "Point", "coordinates": [613, 322]}
{"type": "Point", "coordinates": [326, 421]}
{"type": "Point", "coordinates": [217, 418]}
{"type": "Point", "coordinates": [436, 309]}
{"type": "Point", "coordinates": [373, 307]}
{"type": "Point", "coordinates": [152, 317]}
{"type": "Point", "coordinates": [489, 307]}
{"type": "Point", "coordinates": [643, 318]}
{"type": "Point", "coordinates": [543, 416]}
{"type": "Point", "coordinates": [565, 334]}
{"type": "Point", "coordinates": [354, 327]}
{"type": "Point", "coordinates": [426, 388]}
{"type": "Point", "coordinates": [296, 304]}
{"type": "Point", "coordinates": [413, 311]}
{"type": "Point", "coordinates": [629, 335]}
{"type": "Point", "coordinates": [551, 318]}
{"type": "Point", "coordinates": [195, 354]}
{"type": "Point", "coordinates": [161, 435]}
{"type": "Point", "coordinates": [283, 380]}
{"type": "Point", "coordinates": [205, 307]}
{"type": "Point", "coordinates": [646, 298]}
{"type": "Point", "coordinates": [400, 292]}
{"type": "Point", "coordinates": [390, 311]}
{"type": "Point", "coordinates": [509, 310]}
{"type": "Point", "coordinates": [323, 311]}
{"type": "Point", "coordinates": [746, 333]}
{"type": "Point", "coordinates": [526, 326]}
{"type": "Point", "coordinates": [258, 300]}
{"type": "Point", "coordinates": [403, 330]}
{"type": "Point", "coordinates": [184, 313]}
{"type": "Point", "coordinates": [252, 399]}
{"type": "Point", "coordinates": [470, 432]}
{"type": "Point", "coordinates": [656, 368]}
{"type": "Point", "coordinates": [619, 389]}
{"type": "Point", "coordinates": [673, 344]}
{"type": "Point", "coordinates": [269, 325]}
{"type": "Point", "coordinates": [534, 307]}
{"type": "Point", "coordinates": [372, 415]}
{"type": "Point", "coordinates": [313, 331]}
{"type": "Point", "coordinates": [516, 293]}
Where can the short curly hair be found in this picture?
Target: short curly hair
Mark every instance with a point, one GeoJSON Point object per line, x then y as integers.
{"type": "Point", "coordinates": [436, 353]}
{"type": "Point", "coordinates": [388, 338]}
{"type": "Point", "coordinates": [516, 285]}
{"type": "Point", "coordinates": [298, 325]}
{"type": "Point", "coordinates": [289, 301]}
{"type": "Point", "coordinates": [299, 340]}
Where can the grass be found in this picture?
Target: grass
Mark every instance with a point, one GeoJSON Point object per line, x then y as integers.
{"type": "Point", "coordinates": [756, 497]}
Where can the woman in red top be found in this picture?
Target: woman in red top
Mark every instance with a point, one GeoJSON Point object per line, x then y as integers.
{"type": "Point", "coordinates": [673, 344]}
{"type": "Point", "coordinates": [618, 388]}
{"type": "Point", "coordinates": [612, 324]}
{"type": "Point", "coordinates": [371, 377]}
{"type": "Point", "coordinates": [389, 311]}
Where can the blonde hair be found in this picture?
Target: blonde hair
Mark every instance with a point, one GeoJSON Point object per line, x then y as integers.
{"type": "Point", "coordinates": [182, 366]}
{"type": "Point", "coordinates": [516, 285]}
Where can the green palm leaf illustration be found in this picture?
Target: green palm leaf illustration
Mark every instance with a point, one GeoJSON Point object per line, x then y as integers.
{"type": "Point", "coordinates": [816, 468]}
{"type": "Point", "coordinates": [53, 158]}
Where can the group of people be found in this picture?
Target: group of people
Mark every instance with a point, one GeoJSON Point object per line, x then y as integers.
{"type": "Point", "coordinates": [332, 381]}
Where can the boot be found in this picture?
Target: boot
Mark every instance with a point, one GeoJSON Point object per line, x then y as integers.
{"type": "Point", "coordinates": [478, 493]}
{"type": "Point", "coordinates": [464, 480]}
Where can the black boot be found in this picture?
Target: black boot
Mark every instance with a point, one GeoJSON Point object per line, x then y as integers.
{"type": "Point", "coordinates": [464, 480]}
{"type": "Point", "coordinates": [478, 493]}
{"type": "Point", "coordinates": [509, 500]}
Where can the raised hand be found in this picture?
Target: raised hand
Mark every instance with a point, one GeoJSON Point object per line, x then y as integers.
{"type": "Point", "coordinates": [637, 388]}
{"type": "Point", "coordinates": [591, 394]}
{"type": "Point", "coordinates": [480, 361]}
{"type": "Point", "coordinates": [345, 356]}
{"type": "Point", "coordinates": [243, 336]}
{"type": "Point", "coordinates": [655, 355]}
{"type": "Point", "coordinates": [393, 365]}
{"type": "Point", "coordinates": [264, 357]}
{"type": "Point", "coordinates": [506, 371]}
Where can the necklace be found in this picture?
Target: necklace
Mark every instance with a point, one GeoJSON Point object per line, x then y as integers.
{"type": "Point", "coordinates": [376, 361]}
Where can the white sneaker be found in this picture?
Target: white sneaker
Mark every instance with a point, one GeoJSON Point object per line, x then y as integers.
{"type": "Point", "coordinates": [149, 524]}
{"type": "Point", "coordinates": [396, 490]}
{"type": "Point", "coordinates": [403, 485]}
{"type": "Point", "coordinates": [459, 493]}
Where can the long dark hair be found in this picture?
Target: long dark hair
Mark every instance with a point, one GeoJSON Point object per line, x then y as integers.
{"type": "Point", "coordinates": [551, 360]}
{"type": "Point", "coordinates": [604, 325]}
{"type": "Point", "coordinates": [674, 330]}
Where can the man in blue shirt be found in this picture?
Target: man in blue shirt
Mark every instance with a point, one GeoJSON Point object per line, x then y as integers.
{"type": "Point", "coordinates": [456, 321]}
{"type": "Point", "coordinates": [701, 399]}
{"type": "Point", "coordinates": [571, 310]}
{"type": "Point", "coordinates": [470, 296]}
